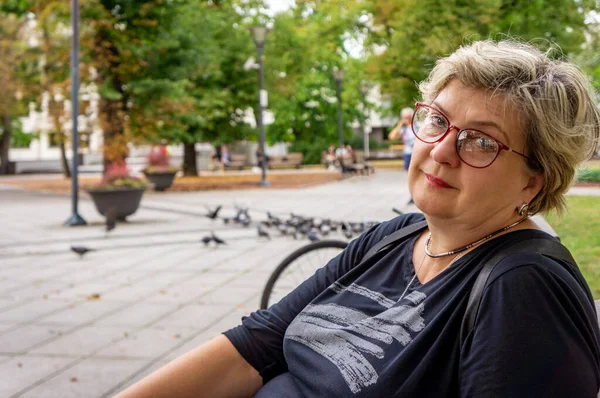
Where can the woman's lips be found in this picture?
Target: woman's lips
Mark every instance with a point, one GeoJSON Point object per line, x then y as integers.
{"type": "Point", "coordinates": [436, 182]}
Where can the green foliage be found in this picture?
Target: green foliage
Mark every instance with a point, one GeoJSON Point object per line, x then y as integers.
{"type": "Point", "coordinates": [588, 175]}
{"type": "Point", "coordinates": [579, 231]}
{"type": "Point", "coordinates": [312, 150]}
{"type": "Point", "coordinates": [414, 34]}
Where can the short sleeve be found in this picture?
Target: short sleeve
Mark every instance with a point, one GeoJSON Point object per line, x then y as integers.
{"type": "Point", "coordinates": [535, 336]}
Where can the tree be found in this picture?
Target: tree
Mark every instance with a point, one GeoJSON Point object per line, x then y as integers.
{"type": "Point", "coordinates": [406, 37]}
{"type": "Point", "coordinates": [53, 55]}
{"type": "Point", "coordinates": [118, 41]}
{"type": "Point", "coordinates": [306, 44]}
{"type": "Point", "coordinates": [15, 75]}
{"type": "Point", "coordinates": [210, 48]}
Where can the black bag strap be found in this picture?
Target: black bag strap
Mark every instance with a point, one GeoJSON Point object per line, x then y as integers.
{"type": "Point", "coordinates": [395, 236]}
{"type": "Point", "coordinates": [546, 247]}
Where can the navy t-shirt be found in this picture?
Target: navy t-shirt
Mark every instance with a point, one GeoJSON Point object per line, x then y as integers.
{"type": "Point", "coordinates": [344, 333]}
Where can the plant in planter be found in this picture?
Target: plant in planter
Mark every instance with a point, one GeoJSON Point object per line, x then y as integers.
{"type": "Point", "coordinates": [159, 172]}
{"type": "Point", "coordinates": [118, 192]}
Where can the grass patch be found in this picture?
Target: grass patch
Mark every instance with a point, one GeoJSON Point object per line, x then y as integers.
{"type": "Point", "coordinates": [579, 231]}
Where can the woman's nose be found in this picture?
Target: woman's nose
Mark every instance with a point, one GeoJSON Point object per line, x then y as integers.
{"type": "Point", "coordinates": [444, 151]}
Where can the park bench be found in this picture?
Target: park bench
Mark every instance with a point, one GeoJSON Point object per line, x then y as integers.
{"type": "Point", "coordinates": [237, 161]}
{"type": "Point", "coordinates": [357, 165]}
{"type": "Point", "coordinates": [293, 159]}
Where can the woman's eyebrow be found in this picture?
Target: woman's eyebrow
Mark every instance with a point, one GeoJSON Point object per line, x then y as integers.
{"type": "Point", "coordinates": [486, 123]}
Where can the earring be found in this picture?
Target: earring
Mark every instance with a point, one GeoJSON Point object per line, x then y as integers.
{"type": "Point", "coordinates": [523, 209]}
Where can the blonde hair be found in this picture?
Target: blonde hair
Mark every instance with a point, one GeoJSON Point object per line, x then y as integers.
{"type": "Point", "coordinates": [554, 100]}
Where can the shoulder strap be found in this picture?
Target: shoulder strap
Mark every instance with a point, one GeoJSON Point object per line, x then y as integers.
{"type": "Point", "coordinates": [395, 236]}
{"type": "Point", "coordinates": [546, 247]}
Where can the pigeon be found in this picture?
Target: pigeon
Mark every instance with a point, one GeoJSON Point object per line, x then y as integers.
{"type": "Point", "coordinates": [348, 234]}
{"type": "Point", "coordinates": [226, 220]}
{"type": "Point", "coordinates": [206, 240]}
{"type": "Point", "coordinates": [218, 240]}
{"type": "Point", "coordinates": [214, 213]}
{"type": "Point", "coordinates": [111, 219]}
{"type": "Point", "coordinates": [81, 250]}
{"type": "Point", "coordinates": [312, 236]}
{"type": "Point", "coordinates": [325, 229]}
{"type": "Point", "coordinates": [262, 233]}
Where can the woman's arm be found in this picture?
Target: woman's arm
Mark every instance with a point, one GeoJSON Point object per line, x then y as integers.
{"type": "Point", "coordinates": [395, 133]}
{"type": "Point", "coordinates": [214, 369]}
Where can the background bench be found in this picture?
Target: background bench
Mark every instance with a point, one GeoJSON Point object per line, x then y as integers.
{"type": "Point", "coordinates": [293, 159]}
{"type": "Point", "coordinates": [237, 161]}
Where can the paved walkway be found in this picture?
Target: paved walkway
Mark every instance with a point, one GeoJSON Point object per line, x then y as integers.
{"type": "Point", "coordinates": [88, 327]}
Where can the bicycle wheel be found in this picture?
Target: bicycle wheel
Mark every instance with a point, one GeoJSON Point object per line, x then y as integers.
{"type": "Point", "coordinates": [297, 267]}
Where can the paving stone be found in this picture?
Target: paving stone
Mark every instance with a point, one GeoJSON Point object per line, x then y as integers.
{"type": "Point", "coordinates": [83, 341]}
{"type": "Point", "coordinates": [82, 312]}
{"type": "Point", "coordinates": [89, 378]}
{"type": "Point", "coordinates": [31, 311]}
{"type": "Point", "coordinates": [27, 336]}
{"type": "Point", "coordinates": [147, 343]}
{"type": "Point", "coordinates": [137, 315]}
{"type": "Point", "coordinates": [22, 372]}
{"type": "Point", "coordinates": [196, 316]}
{"type": "Point", "coordinates": [235, 295]}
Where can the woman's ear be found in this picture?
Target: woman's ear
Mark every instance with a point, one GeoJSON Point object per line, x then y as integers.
{"type": "Point", "coordinates": [534, 185]}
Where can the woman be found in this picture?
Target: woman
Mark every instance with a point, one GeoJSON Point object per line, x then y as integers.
{"type": "Point", "coordinates": [500, 133]}
{"type": "Point", "coordinates": [403, 130]}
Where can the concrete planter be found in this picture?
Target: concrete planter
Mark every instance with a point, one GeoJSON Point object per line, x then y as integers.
{"type": "Point", "coordinates": [124, 200]}
{"type": "Point", "coordinates": [161, 180]}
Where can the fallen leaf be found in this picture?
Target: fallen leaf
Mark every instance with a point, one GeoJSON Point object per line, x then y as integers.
{"type": "Point", "coordinates": [176, 336]}
{"type": "Point", "coordinates": [20, 365]}
{"type": "Point", "coordinates": [125, 334]}
{"type": "Point", "coordinates": [163, 292]}
{"type": "Point", "coordinates": [73, 379]}
{"type": "Point", "coordinates": [45, 297]}
{"type": "Point", "coordinates": [94, 296]}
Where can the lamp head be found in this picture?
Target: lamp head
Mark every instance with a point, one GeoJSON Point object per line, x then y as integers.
{"type": "Point", "coordinates": [259, 35]}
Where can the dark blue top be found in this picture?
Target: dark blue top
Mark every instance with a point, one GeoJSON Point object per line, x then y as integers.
{"type": "Point", "coordinates": [343, 332]}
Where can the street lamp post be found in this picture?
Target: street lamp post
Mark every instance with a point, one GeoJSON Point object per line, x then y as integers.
{"type": "Point", "coordinates": [364, 90]}
{"type": "Point", "coordinates": [339, 74]}
{"type": "Point", "coordinates": [75, 218]}
{"type": "Point", "coordinates": [259, 35]}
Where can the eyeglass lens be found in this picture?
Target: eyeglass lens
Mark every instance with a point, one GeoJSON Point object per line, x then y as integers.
{"type": "Point", "coordinates": [473, 147]}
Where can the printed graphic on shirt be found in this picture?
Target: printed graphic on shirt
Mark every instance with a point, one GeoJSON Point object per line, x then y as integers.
{"type": "Point", "coordinates": [349, 338]}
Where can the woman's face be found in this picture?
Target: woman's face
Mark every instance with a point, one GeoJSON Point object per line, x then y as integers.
{"type": "Point", "coordinates": [443, 186]}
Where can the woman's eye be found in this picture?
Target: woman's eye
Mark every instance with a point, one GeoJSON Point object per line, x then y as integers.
{"type": "Point", "coordinates": [437, 120]}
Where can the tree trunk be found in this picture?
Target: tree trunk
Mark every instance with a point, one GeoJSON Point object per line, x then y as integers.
{"type": "Point", "coordinates": [189, 160]}
{"type": "Point", "coordinates": [113, 124]}
{"type": "Point", "coordinates": [5, 144]}
{"type": "Point", "coordinates": [63, 157]}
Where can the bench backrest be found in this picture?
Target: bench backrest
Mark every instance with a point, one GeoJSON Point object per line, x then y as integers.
{"type": "Point", "coordinates": [295, 156]}
{"type": "Point", "coordinates": [238, 157]}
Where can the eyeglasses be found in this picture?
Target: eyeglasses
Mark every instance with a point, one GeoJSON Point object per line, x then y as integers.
{"type": "Point", "coordinates": [475, 148]}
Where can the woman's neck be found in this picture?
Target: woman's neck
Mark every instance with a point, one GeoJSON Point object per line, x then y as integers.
{"type": "Point", "coordinates": [450, 235]}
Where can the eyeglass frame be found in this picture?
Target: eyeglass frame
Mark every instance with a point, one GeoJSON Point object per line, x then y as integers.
{"type": "Point", "coordinates": [501, 146]}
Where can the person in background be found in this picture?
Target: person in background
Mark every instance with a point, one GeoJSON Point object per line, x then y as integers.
{"type": "Point", "coordinates": [216, 157]}
{"type": "Point", "coordinates": [260, 158]}
{"type": "Point", "coordinates": [403, 131]}
{"type": "Point", "coordinates": [225, 156]}
{"type": "Point", "coordinates": [330, 157]}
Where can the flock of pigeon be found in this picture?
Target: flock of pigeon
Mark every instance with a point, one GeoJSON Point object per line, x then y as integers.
{"type": "Point", "coordinates": [295, 225]}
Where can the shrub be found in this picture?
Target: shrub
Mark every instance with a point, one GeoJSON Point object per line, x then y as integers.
{"type": "Point", "coordinates": [117, 176]}
{"type": "Point", "coordinates": [588, 175]}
